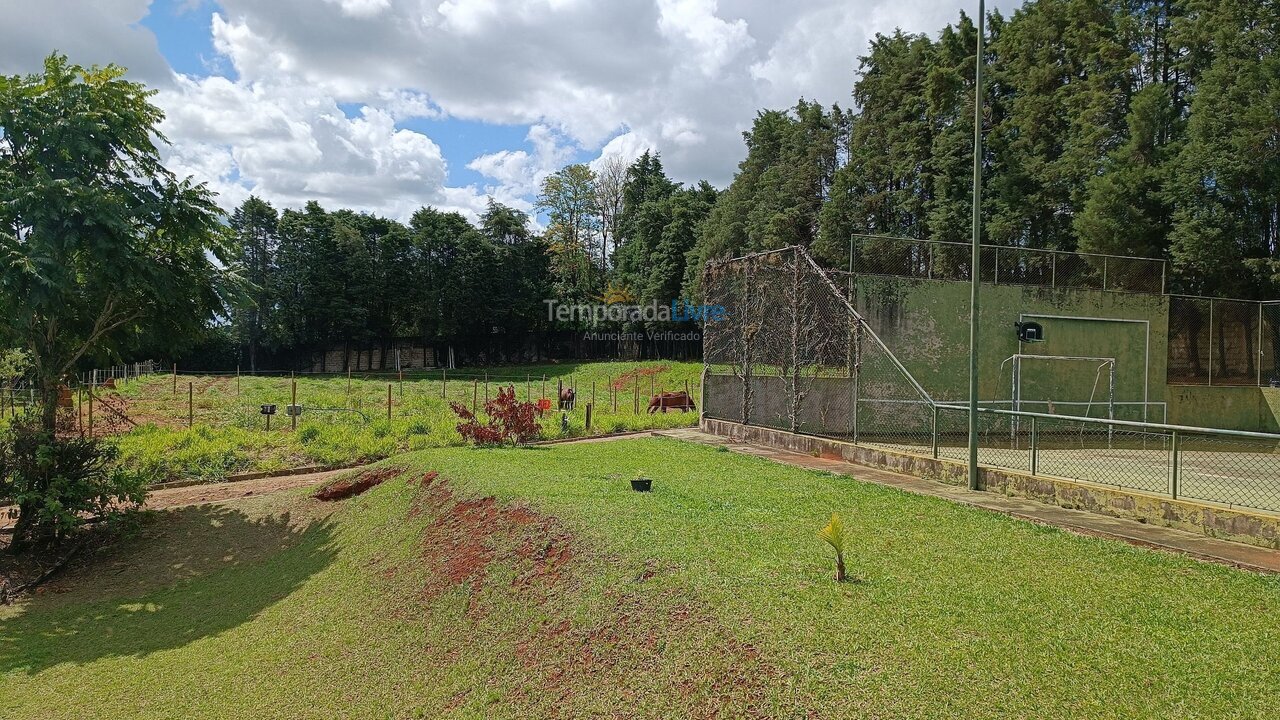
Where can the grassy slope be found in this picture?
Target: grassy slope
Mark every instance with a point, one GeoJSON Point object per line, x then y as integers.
{"type": "Point", "coordinates": [710, 594]}
{"type": "Point", "coordinates": [228, 435]}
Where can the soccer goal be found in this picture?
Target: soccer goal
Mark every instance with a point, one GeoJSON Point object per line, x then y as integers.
{"type": "Point", "coordinates": [1056, 384]}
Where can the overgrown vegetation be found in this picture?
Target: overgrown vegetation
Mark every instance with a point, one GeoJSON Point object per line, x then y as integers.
{"type": "Point", "coordinates": [341, 426]}
{"type": "Point", "coordinates": [60, 483]}
{"type": "Point", "coordinates": [532, 582]}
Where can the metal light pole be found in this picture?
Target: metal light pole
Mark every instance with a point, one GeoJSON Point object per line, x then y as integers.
{"type": "Point", "coordinates": [976, 253]}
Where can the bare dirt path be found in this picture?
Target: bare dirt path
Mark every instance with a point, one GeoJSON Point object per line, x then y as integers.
{"type": "Point", "coordinates": [214, 492]}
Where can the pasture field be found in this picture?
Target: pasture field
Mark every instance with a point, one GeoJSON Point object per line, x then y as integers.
{"type": "Point", "coordinates": [346, 421]}
{"type": "Point", "coordinates": [533, 582]}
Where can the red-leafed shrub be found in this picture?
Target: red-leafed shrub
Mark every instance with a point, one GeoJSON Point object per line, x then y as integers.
{"type": "Point", "coordinates": [509, 420]}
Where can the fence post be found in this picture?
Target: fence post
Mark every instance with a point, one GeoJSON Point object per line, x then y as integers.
{"type": "Point", "coordinates": [1211, 342]}
{"type": "Point", "coordinates": [1053, 270]}
{"type": "Point", "coordinates": [90, 411]}
{"type": "Point", "coordinates": [589, 405]}
{"type": "Point", "coordinates": [935, 432]}
{"type": "Point", "coordinates": [475, 395]}
{"type": "Point", "coordinates": [191, 407]}
{"type": "Point", "coordinates": [1035, 447]}
{"type": "Point", "coordinates": [1173, 476]}
{"type": "Point", "coordinates": [175, 378]}
{"type": "Point", "coordinates": [1104, 272]}
{"type": "Point", "coordinates": [444, 382]}
{"type": "Point", "coordinates": [1259, 344]}
{"type": "Point", "coordinates": [388, 402]}
{"type": "Point", "coordinates": [293, 400]}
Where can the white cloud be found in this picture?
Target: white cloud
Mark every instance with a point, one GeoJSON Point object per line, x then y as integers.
{"type": "Point", "coordinates": [290, 143]}
{"type": "Point", "coordinates": [681, 77]}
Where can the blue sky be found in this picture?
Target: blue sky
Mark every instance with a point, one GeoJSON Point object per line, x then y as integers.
{"type": "Point", "coordinates": [389, 105]}
{"type": "Point", "coordinates": [182, 31]}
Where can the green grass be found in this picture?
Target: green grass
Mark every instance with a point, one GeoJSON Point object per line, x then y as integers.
{"type": "Point", "coordinates": [710, 595]}
{"type": "Point", "coordinates": [347, 423]}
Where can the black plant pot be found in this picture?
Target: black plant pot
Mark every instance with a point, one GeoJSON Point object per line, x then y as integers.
{"type": "Point", "coordinates": [641, 484]}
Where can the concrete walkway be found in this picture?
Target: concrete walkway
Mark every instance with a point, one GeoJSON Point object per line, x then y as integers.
{"type": "Point", "coordinates": [1248, 557]}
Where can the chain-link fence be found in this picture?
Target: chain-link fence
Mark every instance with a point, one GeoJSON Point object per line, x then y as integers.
{"type": "Point", "coordinates": [1005, 265]}
{"type": "Point", "coordinates": [793, 354]}
{"type": "Point", "coordinates": [1223, 342]}
{"type": "Point", "coordinates": [1225, 467]}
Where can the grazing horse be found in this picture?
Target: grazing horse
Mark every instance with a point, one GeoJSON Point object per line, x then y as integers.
{"type": "Point", "coordinates": [568, 397]}
{"type": "Point", "coordinates": [671, 400]}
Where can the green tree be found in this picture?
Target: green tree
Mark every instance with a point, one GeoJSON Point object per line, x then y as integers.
{"type": "Point", "coordinates": [101, 244]}
{"type": "Point", "coordinates": [1225, 184]}
{"type": "Point", "coordinates": [568, 196]}
{"type": "Point", "coordinates": [253, 227]}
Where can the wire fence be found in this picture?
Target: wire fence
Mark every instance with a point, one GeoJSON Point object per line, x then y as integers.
{"type": "Point", "coordinates": [1223, 342]}
{"type": "Point", "coordinates": [1005, 265]}
{"type": "Point", "coordinates": [110, 401]}
{"type": "Point", "coordinates": [793, 354]}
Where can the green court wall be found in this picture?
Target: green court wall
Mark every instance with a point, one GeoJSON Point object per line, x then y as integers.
{"type": "Point", "coordinates": [926, 324]}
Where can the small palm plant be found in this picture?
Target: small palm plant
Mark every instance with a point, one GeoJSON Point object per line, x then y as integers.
{"type": "Point", "coordinates": [833, 535]}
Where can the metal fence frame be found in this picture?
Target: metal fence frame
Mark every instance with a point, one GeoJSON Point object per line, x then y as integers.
{"type": "Point", "coordinates": [1262, 364]}
{"type": "Point", "coordinates": [878, 403]}
{"type": "Point", "coordinates": [1051, 268]}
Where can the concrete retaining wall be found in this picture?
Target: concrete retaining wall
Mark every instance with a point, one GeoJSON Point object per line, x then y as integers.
{"type": "Point", "coordinates": [1255, 528]}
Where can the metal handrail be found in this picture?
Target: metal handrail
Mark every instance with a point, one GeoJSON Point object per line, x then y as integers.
{"type": "Point", "coordinates": [1124, 423]}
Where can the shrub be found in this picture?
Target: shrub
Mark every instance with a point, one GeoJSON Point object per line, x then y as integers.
{"type": "Point", "coordinates": [509, 420]}
{"type": "Point", "coordinates": [833, 535]}
{"type": "Point", "coordinates": [57, 482]}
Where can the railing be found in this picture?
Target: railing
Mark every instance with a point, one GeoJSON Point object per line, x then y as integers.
{"type": "Point", "coordinates": [1005, 265]}
{"type": "Point", "coordinates": [1228, 467]}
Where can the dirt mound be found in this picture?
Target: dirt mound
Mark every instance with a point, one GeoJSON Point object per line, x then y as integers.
{"type": "Point", "coordinates": [466, 535]}
{"type": "Point", "coordinates": [346, 487]}
{"type": "Point", "coordinates": [571, 659]}
{"type": "Point", "coordinates": [629, 378]}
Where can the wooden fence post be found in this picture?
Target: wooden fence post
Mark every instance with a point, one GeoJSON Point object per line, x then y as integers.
{"type": "Point", "coordinates": [589, 416]}
{"type": "Point", "coordinates": [475, 396]}
{"type": "Point", "coordinates": [388, 402]}
{"type": "Point", "coordinates": [191, 406]}
{"type": "Point", "coordinates": [175, 378]}
{"type": "Point", "coordinates": [90, 411]}
{"type": "Point", "coordinates": [293, 400]}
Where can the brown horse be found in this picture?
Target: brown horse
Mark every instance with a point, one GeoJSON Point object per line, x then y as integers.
{"type": "Point", "coordinates": [568, 398]}
{"type": "Point", "coordinates": [671, 401]}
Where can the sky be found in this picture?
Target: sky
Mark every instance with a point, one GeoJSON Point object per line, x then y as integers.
{"type": "Point", "coordinates": [388, 105]}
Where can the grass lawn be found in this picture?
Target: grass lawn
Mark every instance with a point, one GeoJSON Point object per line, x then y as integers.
{"type": "Point", "coordinates": [567, 594]}
{"type": "Point", "coordinates": [346, 423]}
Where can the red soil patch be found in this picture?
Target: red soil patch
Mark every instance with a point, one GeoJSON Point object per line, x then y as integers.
{"type": "Point", "coordinates": [628, 378]}
{"type": "Point", "coordinates": [565, 660]}
{"type": "Point", "coordinates": [344, 488]}
{"type": "Point", "coordinates": [466, 535]}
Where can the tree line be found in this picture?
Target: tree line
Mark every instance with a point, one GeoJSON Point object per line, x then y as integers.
{"type": "Point", "coordinates": [1145, 127]}
{"type": "Point", "coordinates": [322, 279]}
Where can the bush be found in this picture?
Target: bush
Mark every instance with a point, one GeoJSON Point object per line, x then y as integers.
{"type": "Point", "coordinates": [58, 482]}
{"type": "Point", "coordinates": [509, 420]}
